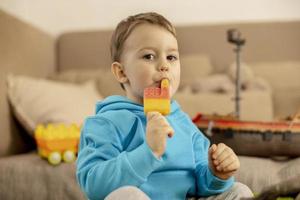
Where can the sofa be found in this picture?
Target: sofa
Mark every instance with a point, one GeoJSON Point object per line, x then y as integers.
{"type": "Point", "coordinates": [77, 57]}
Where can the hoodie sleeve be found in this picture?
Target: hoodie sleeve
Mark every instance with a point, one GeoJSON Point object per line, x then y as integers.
{"type": "Point", "coordinates": [103, 165]}
{"type": "Point", "coordinates": [207, 183]}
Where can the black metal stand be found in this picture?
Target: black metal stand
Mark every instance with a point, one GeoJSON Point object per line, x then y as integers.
{"type": "Point", "coordinates": [234, 36]}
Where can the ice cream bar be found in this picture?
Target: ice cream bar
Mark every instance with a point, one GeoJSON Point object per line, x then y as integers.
{"type": "Point", "coordinates": [157, 99]}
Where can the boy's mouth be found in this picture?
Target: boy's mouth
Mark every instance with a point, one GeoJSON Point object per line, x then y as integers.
{"type": "Point", "coordinates": [159, 82]}
{"type": "Point", "coordinates": [158, 77]}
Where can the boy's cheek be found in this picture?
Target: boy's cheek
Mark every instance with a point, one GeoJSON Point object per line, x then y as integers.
{"type": "Point", "coordinates": [174, 85]}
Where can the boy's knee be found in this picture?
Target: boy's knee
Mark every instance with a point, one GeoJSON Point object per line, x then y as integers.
{"type": "Point", "coordinates": [240, 190]}
{"type": "Point", "coordinates": [127, 192]}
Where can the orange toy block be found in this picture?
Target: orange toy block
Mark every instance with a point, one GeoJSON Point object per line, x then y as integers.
{"type": "Point", "coordinates": [158, 99]}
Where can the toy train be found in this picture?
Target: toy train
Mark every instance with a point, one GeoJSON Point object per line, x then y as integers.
{"type": "Point", "coordinates": [253, 138]}
{"type": "Point", "coordinates": [57, 142]}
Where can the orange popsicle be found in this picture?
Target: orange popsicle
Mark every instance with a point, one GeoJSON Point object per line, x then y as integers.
{"type": "Point", "coordinates": [158, 99]}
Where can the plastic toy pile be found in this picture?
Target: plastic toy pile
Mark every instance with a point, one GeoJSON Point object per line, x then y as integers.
{"type": "Point", "coordinates": [57, 142]}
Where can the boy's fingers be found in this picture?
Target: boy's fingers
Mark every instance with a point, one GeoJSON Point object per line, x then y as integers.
{"type": "Point", "coordinates": [151, 115]}
{"type": "Point", "coordinates": [168, 130]}
{"type": "Point", "coordinates": [231, 167]}
{"type": "Point", "coordinates": [224, 154]}
{"type": "Point", "coordinates": [223, 157]}
{"type": "Point", "coordinates": [227, 162]}
{"type": "Point", "coordinates": [212, 149]}
{"type": "Point", "coordinates": [161, 122]}
{"type": "Point", "coordinates": [220, 148]}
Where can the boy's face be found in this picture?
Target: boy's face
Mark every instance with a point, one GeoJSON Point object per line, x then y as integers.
{"type": "Point", "coordinates": [150, 54]}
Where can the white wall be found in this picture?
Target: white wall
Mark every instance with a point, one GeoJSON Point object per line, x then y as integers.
{"type": "Point", "coordinates": [57, 16]}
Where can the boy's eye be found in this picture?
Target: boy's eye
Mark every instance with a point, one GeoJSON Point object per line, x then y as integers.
{"type": "Point", "coordinates": [148, 56]}
{"type": "Point", "coordinates": [172, 57]}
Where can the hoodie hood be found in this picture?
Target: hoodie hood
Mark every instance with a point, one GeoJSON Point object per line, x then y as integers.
{"type": "Point", "coordinates": [117, 102]}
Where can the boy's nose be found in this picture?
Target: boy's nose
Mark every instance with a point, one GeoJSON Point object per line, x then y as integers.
{"type": "Point", "coordinates": [163, 68]}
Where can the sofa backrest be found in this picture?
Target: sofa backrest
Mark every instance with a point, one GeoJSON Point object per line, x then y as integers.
{"type": "Point", "coordinates": [273, 41]}
{"type": "Point", "coordinates": [23, 50]}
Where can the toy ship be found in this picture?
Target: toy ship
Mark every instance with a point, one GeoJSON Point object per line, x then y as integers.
{"type": "Point", "coordinates": [253, 138]}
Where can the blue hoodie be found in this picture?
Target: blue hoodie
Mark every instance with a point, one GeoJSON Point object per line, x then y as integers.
{"type": "Point", "coordinates": [113, 152]}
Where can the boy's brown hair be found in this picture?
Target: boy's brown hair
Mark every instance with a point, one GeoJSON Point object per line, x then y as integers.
{"type": "Point", "coordinates": [125, 27]}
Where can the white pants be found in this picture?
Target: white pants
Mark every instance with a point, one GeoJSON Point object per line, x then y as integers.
{"type": "Point", "coordinates": [237, 191]}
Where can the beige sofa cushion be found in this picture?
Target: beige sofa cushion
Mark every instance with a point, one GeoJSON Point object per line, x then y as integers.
{"type": "Point", "coordinates": [36, 101]}
{"type": "Point", "coordinates": [194, 66]}
{"type": "Point", "coordinates": [27, 176]}
{"type": "Point", "coordinates": [258, 173]}
{"type": "Point", "coordinates": [284, 78]}
{"type": "Point", "coordinates": [255, 105]}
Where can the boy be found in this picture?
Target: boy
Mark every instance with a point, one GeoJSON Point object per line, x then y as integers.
{"type": "Point", "coordinates": [120, 146]}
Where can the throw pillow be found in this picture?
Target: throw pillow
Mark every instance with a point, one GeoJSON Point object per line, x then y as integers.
{"type": "Point", "coordinates": [36, 100]}
{"type": "Point", "coordinates": [218, 83]}
{"type": "Point", "coordinates": [106, 83]}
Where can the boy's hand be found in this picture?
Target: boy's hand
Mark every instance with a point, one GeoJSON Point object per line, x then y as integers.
{"type": "Point", "coordinates": [223, 161]}
{"type": "Point", "coordinates": [157, 131]}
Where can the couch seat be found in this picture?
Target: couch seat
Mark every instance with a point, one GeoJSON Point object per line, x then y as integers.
{"type": "Point", "coordinates": [27, 176]}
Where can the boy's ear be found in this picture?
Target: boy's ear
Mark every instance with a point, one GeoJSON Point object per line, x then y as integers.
{"type": "Point", "coordinates": [118, 71]}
